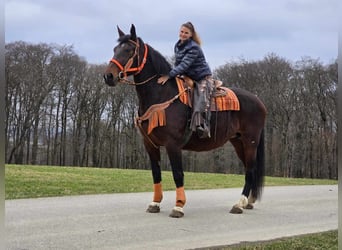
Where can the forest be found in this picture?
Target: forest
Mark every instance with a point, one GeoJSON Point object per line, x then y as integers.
{"type": "Point", "coordinates": [60, 112]}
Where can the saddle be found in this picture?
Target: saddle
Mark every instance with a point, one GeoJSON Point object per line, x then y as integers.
{"type": "Point", "coordinates": [222, 98]}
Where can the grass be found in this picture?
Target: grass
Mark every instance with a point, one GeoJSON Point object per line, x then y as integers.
{"type": "Point", "coordinates": [317, 241]}
{"type": "Point", "coordinates": [26, 181]}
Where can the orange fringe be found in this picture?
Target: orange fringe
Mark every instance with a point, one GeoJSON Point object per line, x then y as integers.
{"type": "Point", "coordinates": [157, 118]}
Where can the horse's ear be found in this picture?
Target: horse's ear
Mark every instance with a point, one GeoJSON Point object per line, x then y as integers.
{"type": "Point", "coordinates": [133, 34]}
{"type": "Point", "coordinates": [121, 33]}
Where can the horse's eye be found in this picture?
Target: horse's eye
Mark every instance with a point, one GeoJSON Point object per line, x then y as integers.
{"type": "Point", "coordinates": [129, 51]}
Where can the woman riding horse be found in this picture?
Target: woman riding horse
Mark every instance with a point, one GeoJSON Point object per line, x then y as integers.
{"type": "Point", "coordinates": [163, 121]}
{"type": "Point", "coordinates": [190, 61]}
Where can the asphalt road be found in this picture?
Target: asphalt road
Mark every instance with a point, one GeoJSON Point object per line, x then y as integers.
{"type": "Point", "coordinates": [119, 221]}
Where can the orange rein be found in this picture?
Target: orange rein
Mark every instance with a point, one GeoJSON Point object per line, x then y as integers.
{"type": "Point", "coordinates": [127, 67]}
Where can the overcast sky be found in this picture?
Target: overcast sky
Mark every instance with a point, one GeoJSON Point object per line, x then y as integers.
{"type": "Point", "coordinates": [229, 29]}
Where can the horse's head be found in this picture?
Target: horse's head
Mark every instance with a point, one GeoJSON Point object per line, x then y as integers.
{"type": "Point", "coordinates": [126, 60]}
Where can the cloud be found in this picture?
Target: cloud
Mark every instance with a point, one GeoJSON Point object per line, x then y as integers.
{"type": "Point", "coordinates": [228, 28]}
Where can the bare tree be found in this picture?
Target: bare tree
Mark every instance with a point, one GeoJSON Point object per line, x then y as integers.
{"type": "Point", "coordinates": [301, 122]}
{"type": "Point", "coordinates": [59, 112]}
{"type": "Point", "coordinates": [25, 92]}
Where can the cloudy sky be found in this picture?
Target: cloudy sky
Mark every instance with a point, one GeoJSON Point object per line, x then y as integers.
{"type": "Point", "coordinates": [230, 29]}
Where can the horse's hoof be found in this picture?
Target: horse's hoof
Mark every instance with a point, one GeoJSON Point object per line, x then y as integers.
{"type": "Point", "coordinates": [249, 206]}
{"type": "Point", "coordinates": [236, 210]}
{"type": "Point", "coordinates": [177, 212]}
{"type": "Point", "coordinates": [154, 207]}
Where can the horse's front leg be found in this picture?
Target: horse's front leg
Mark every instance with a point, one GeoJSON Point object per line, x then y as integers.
{"type": "Point", "coordinates": [154, 206]}
{"type": "Point", "coordinates": [175, 156]}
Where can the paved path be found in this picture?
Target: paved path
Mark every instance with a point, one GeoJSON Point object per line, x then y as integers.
{"type": "Point", "coordinates": [119, 221]}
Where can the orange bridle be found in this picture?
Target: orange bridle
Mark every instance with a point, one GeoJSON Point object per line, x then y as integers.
{"type": "Point", "coordinates": [127, 67]}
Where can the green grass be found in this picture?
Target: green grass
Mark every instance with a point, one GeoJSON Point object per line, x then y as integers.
{"type": "Point", "coordinates": [26, 181]}
{"type": "Point", "coordinates": [318, 241]}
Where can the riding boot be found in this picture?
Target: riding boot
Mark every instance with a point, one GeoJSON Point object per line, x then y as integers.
{"type": "Point", "coordinates": [200, 120]}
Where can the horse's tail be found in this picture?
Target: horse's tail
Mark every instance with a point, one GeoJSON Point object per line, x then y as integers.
{"type": "Point", "coordinates": [259, 170]}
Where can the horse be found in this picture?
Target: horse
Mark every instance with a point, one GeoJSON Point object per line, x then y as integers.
{"type": "Point", "coordinates": [244, 128]}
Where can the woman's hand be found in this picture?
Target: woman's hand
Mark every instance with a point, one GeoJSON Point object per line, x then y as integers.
{"type": "Point", "coordinates": [163, 79]}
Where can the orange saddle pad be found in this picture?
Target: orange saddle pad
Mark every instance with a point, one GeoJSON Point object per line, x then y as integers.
{"type": "Point", "coordinates": [226, 101]}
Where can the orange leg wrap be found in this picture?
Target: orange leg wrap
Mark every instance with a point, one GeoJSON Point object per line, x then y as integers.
{"type": "Point", "coordinates": [158, 192]}
{"type": "Point", "coordinates": [180, 197]}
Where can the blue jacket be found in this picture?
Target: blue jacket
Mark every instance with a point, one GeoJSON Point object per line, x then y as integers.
{"type": "Point", "coordinates": [190, 61]}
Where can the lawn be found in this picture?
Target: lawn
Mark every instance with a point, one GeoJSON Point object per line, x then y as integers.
{"type": "Point", "coordinates": [26, 181]}
{"type": "Point", "coordinates": [318, 241]}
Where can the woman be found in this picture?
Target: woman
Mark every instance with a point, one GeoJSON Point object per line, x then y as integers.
{"type": "Point", "coordinates": [190, 61]}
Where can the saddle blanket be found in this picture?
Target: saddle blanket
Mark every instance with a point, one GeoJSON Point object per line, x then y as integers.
{"type": "Point", "coordinates": [226, 100]}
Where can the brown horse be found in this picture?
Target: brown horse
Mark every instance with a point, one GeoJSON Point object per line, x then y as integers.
{"type": "Point", "coordinates": [243, 128]}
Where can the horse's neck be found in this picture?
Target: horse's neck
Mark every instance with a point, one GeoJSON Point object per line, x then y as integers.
{"type": "Point", "coordinates": [153, 93]}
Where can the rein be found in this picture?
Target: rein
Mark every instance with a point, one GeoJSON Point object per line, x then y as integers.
{"type": "Point", "coordinates": [122, 76]}
{"type": "Point", "coordinates": [129, 82]}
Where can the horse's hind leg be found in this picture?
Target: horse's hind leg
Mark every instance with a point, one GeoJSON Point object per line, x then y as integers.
{"type": "Point", "coordinates": [247, 200]}
{"type": "Point", "coordinates": [238, 145]}
{"type": "Point", "coordinates": [154, 206]}
{"type": "Point", "coordinates": [246, 150]}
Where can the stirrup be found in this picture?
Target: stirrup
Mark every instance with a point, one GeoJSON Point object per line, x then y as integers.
{"type": "Point", "coordinates": [202, 133]}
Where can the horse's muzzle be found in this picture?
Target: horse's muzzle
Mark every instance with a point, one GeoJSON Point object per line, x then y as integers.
{"type": "Point", "coordinates": [109, 79]}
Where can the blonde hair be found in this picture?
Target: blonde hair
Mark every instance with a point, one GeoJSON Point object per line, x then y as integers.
{"type": "Point", "coordinates": [195, 36]}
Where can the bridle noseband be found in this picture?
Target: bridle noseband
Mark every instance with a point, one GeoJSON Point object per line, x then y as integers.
{"type": "Point", "coordinates": [122, 76]}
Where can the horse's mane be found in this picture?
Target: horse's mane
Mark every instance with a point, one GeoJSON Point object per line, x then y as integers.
{"type": "Point", "coordinates": [160, 64]}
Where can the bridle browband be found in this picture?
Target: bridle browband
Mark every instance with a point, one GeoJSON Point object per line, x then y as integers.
{"type": "Point", "coordinates": [122, 76]}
